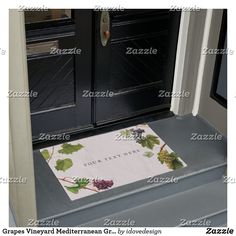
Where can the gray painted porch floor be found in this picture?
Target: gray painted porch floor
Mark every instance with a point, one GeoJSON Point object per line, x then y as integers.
{"type": "Point", "coordinates": [200, 192]}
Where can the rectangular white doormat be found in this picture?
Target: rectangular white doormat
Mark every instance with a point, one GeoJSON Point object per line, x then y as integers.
{"type": "Point", "coordinates": [98, 163]}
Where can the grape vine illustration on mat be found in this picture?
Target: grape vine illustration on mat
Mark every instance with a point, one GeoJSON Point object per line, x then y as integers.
{"type": "Point", "coordinates": [84, 183]}
{"type": "Point", "coordinates": [170, 159]}
{"type": "Point", "coordinates": [147, 141]}
{"type": "Point", "coordinates": [150, 141]}
{"type": "Point", "coordinates": [66, 148]}
{"type": "Point", "coordinates": [67, 163]}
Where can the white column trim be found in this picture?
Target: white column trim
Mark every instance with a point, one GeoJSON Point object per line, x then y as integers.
{"type": "Point", "coordinates": [22, 196]}
{"type": "Point", "coordinates": [201, 67]}
{"type": "Point", "coordinates": [180, 58]}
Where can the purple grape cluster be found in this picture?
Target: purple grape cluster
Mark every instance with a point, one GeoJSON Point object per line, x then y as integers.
{"type": "Point", "coordinates": [102, 184]}
{"type": "Point", "coordinates": [137, 133]}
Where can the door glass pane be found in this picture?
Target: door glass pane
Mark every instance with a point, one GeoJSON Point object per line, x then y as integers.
{"type": "Point", "coordinates": [47, 15]}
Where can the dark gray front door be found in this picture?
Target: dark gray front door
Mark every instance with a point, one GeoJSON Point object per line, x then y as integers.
{"type": "Point", "coordinates": [136, 62]}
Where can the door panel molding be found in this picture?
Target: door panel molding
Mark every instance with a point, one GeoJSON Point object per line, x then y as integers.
{"type": "Point", "coordinates": [61, 79]}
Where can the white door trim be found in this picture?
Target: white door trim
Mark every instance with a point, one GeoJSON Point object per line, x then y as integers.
{"type": "Point", "coordinates": [202, 62]}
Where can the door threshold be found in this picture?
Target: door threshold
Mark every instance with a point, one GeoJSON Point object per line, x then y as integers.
{"type": "Point", "coordinates": [103, 128]}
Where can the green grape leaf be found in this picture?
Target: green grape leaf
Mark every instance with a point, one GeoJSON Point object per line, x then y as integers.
{"type": "Point", "coordinates": [63, 165]}
{"type": "Point", "coordinates": [148, 154]}
{"type": "Point", "coordinates": [79, 184]}
{"type": "Point", "coordinates": [69, 148]}
{"type": "Point", "coordinates": [143, 142]}
{"type": "Point", "coordinates": [126, 133]}
{"type": "Point", "coordinates": [162, 156]}
{"type": "Point", "coordinates": [173, 154]}
{"type": "Point", "coordinates": [82, 182]}
{"type": "Point", "coordinates": [45, 154]}
{"type": "Point", "coordinates": [73, 189]}
{"type": "Point", "coordinates": [149, 141]}
{"type": "Point", "coordinates": [177, 164]}
{"type": "Point", "coordinates": [170, 159]}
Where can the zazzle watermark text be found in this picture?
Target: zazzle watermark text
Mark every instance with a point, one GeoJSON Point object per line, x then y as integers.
{"type": "Point", "coordinates": [216, 51]}
{"type": "Point", "coordinates": [13, 180]}
{"type": "Point", "coordinates": [197, 222]}
{"type": "Point", "coordinates": [120, 222]}
{"type": "Point", "coordinates": [43, 223]}
{"type": "Point", "coordinates": [27, 8]}
{"type": "Point", "coordinates": [113, 8]}
{"type": "Point", "coordinates": [206, 137]}
{"type": "Point", "coordinates": [185, 9]}
{"type": "Point", "coordinates": [67, 51]}
{"type": "Point", "coordinates": [97, 94]}
{"type": "Point", "coordinates": [169, 94]}
{"type": "Point", "coordinates": [46, 136]}
{"type": "Point", "coordinates": [141, 51]}
{"type": "Point", "coordinates": [22, 94]}
{"type": "Point", "coordinates": [159, 180]}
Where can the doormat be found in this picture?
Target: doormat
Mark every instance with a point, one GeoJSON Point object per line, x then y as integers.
{"type": "Point", "coordinates": [91, 165]}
